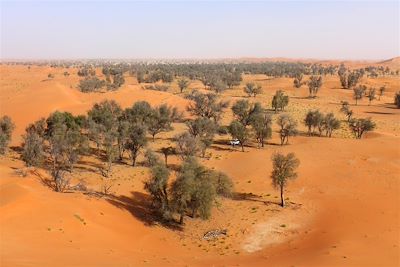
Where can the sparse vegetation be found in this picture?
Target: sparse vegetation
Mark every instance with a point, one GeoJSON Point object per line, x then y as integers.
{"type": "Point", "coordinates": [7, 126]}
{"type": "Point", "coordinates": [280, 101]}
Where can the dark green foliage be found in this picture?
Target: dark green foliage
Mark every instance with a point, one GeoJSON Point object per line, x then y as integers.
{"type": "Point", "coordinates": [284, 169]}
{"type": "Point", "coordinates": [330, 124]}
{"type": "Point", "coordinates": [261, 125]}
{"type": "Point", "coordinates": [6, 128]}
{"type": "Point", "coordinates": [206, 105]}
{"type": "Point", "coordinates": [140, 113]}
{"type": "Point", "coordinates": [240, 132]}
{"type": "Point", "coordinates": [33, 143]}
{"type": "Point", "coordinates": [288, 127]}
{"type": "Point", "coordinates": [252, 89]}
{"type": "Point", "coordinates": [161, 118]}
{"type": "Point", "coordinates": [91, 84]}
{"type": "Point", "coordinates": [218, 86]}
{"type": "Point", "coordinates": [280, 100]}
{"type": "Point", "coordinates": [244, 111]}
{"type": "Point", "coordinates": [157, 188]}
{"type": "Point", "coordinates": [314, 120]}
{"type": "Point", "coordinates": [360, 126]}
{"type": "Point", "coordinates": [348, 79]}
{"type": "Point", "coordinates": [196, 188]}
{"type": "Point", "coordinates": [136, 140]}
{"type": "Point", "coordinates": [314, 84]}
{"type": "Point", "coordinates": [151, 158]}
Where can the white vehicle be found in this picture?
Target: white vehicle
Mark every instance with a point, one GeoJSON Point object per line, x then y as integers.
{"type": "Point", "coordinates": [234, 142]}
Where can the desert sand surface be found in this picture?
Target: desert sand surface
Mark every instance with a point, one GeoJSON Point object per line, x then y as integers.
{"type": "Point", "coordinates": [343, 208]}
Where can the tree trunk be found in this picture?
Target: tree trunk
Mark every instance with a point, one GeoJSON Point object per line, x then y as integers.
{"type": "Point", "coordinates": [166, 159]}
{"type": "Point", "coordinates": [242, 146]}
{"type": "Point", "coordinates": [181, 219]}
{"type": "Point", "coordinates": [282, 200]}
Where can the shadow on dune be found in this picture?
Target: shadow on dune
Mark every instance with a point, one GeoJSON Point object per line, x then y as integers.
{"type": "Point", "coordinates": [139, 205]}
{"type": "Point", "coordinates": [240, 196]}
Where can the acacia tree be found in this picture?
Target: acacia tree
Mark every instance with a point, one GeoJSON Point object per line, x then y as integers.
{"type": "Point", "coordinates": [161, 118]}
{"type": "Point", "coordinates": [136, 141]}
{"type": "Point", "coordinates": [280, 101]}
{"type": "Point", "coordinates": [206, 105]}
{"type": "Point", "coordinates": [371, 95]}
{"type": "Point", "coordinates": [252, 89]}
{"type": "Point", "coordinates": [262, 127]}
{"type": "Point", "coordinates": [157, 185]}
{"type": "Point", "coordinates": [314, 120]}
{"type": "Point", "coordinates": [284, 169]}
{"type": "Point", "coordinates": [330, 124]}
{"type": "Point", "coordinates": [382, 90]}
{"type": "Point", "coordinates": [204, 129]}
{"type": "Point", "coordinates": [244, 111]}
{"type": "Point", "coordinates": [196, 188]}
{"type": "Point", "coordinates": [358, 92]}
{"type": "Point", "coordinates": [6, 128]}
{"type": "Point", "coordinates": [288, 127]}
{"type": "Point", "coordinates": [169, 150]}
{"type": "Point", "coordinates": [33, 147]}
{"type": "Point", "coordinates": [188, 145]}
{"type": "Point", "coordinates": [346, 110]}
{"type": "Point", "coordinates": [360, 126]}
{"type": "Point", "coordinates": [297, 82]}
{"type": "Point", "coordinates": [239, 132]}
{"type": "Point", "coordinates": [183, 84]}
{"type": "Point", "coordinates": [314, 84]}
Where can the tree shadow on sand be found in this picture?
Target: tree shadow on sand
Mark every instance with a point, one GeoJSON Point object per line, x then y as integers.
{"type": "Point", "coordinates": [139, 205]}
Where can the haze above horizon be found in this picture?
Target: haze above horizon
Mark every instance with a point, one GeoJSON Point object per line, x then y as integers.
{"type": "Point", "coordinates": [198, 29]}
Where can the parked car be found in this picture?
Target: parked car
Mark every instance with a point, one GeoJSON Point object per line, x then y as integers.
{"type": "Point", "coordinates": [234, 142]}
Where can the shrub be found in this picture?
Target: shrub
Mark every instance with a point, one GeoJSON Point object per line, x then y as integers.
{"type": "Point", "coordinates": [6, 128]}
{"type": "Point", "coordinates": [280, 101]}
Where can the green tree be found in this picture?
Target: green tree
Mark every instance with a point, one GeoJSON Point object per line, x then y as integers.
{"type": "Point", "coordinates": [6, 128]}
{"type": "Point", "coordinates": [206, 105]}
{"type": "Point", "coordinates": [136, 141]}
{"type": "Point", "coordinates": [330, 124]}
{"type": "Point", "coordinates": [288, 127]}
{"type": "Point", "coordinates": [280, 100]}
{"type": "Point", "coordinates": [314, 84]}
{"type": "Point", "coordinates": [358, 92]}
{"type": "Point", "coordinates": [183, 84]}
{"type": "Point", "coordinates": [284, 170]}
{"type": "Point", "coordinates": [262, 127]}
{"type": "Point", "coordinates": [239, 132]}
{"type": "Point", "coordinates": [244, 111]}
{"type": "Point", "coordinates": [360, 126]}
{"type": "Point", "coordinates": [252, 89]}
{"type": "Point", "coordinates": [33, 146]}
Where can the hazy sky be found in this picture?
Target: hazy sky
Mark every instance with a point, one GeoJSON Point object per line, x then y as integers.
{"type": "Point", "coordinates": [199, 29]}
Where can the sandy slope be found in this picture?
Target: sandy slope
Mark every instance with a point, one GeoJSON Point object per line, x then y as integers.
{"type": "Point", "coordinates": [343, 209]}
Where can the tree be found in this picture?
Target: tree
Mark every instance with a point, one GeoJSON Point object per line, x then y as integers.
{"type": "Point", "coordinates": [397, 99]}
{"type": "Point", "coordinates": [167, 151]}
{"type": "Point", "coordinates": [371, 95]}
{"type": "Point", "coordinates": [358, 92]}
{"type": "Point", "coordinates": [284, 169]}
{"type": "Point", "coordinates": [280, 100]}
{"type": "Point", "coordinates": [136, 141]}
{"type": "Point", "coordinates": [330, 124]}
{"type": "Point", "coordinates": [139, 113]}
{"type": "Point", "coordinates": [104, 129]}
{"type": "Point", "coordinates": [196, 189]}
{"type": "Point", "coordinates": [239, 132]}
{"type": "Point", "coordinates": [157, 188]}
{"type": "Point", "coordinates": [297, 82]}
{"type": "Point", "coordinates": [218, 86]}
{"type": "Point", "coordinates": [360, 126]}
{"type": "Point", "coordinates": [204, 129]}
{"type": "Point", "coordinates": [183, 84]}
{"type": "Point", "coordinates": [382, 90]}
{"type": "Point", "coordinates": [66, 144]}
{"type": "Point", "coordinates": [6, 128]}
{"type": "Point", "coordinates": [244, 111]}
{"type": "Point", "coordinates": [288, 127]}
{"type": "Point", "coordinates": [262, 127]}
{"type": "Point", "coordinates": [314, 84]}
{"type": "Point", "coordinates": [91, 84]}
{"type": "Point", "coordinates": [161, 118]}
{"type": "Point", "coordinates": [346, 110]}
{"type": "Point", "coordinates": [33, 143]}
{"type": "Point", "coordinates": [206, 105]}
{"type": "Point", "coordinates": [251, 89]}
{"type": "Point", "coordinates": [314, 120]}
{"type": "Point", "coordinates": [188, 145]}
